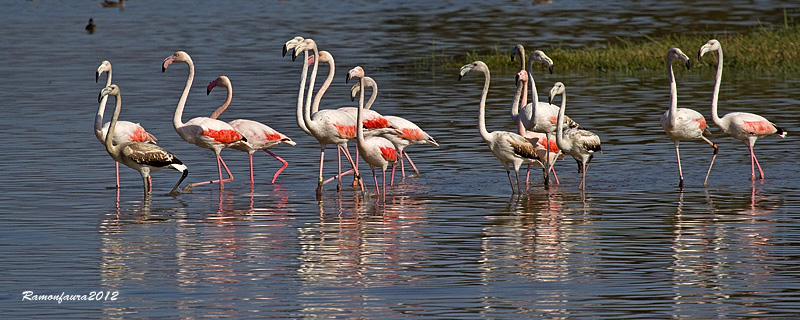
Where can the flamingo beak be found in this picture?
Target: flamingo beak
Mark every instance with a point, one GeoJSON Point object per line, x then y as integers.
{"type": "Point", "coordinates": [211, 85]}
{"type": "Point", "coordinates": [550, 68]}
{"type": "Point", "coordinates": [688, 65]}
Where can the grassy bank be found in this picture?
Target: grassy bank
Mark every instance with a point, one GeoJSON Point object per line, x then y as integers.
{"type": "Point", "coordinates": [761, 49]}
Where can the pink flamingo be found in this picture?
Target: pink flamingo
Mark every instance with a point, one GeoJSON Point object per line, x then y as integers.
{"type": "Point", "coordinates": [510, 148]}
{"type": "Point", "coordinates": [747, 127]}
{"type": "Point", "coordinates": [682, 124]}
{"type": "Point", "coordinates": [579, 143]}
{"type": "Point", "coordinates": [538, 139]}
{"type": "Point", "coordinates": [125, 131]}
{"type": "Point", "coordinates": [202, 131]}
{"type": "Point", "coordinates": [140, 156]}
{"type": "Point", "coordinates": [376, 151]}
{"type": "Point", "coordinates": [327, 126]}
{"type": "Point", "coordinates": [259, 136]}
{"type": "Point", "coordinates": [411, 133]}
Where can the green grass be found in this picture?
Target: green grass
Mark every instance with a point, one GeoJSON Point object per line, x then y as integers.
{"type": "Point", "coordinates": [761, 49]}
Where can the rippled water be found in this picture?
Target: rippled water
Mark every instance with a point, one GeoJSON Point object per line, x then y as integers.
{"type": "Point", "coordinates": [451, 243]}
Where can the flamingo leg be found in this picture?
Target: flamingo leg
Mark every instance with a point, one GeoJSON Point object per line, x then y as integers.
{"type": "Point", "coordinates": [394, 165]}
{"type": "Point", "coordinates": [527, 176]}
{"type": "Point", "coordinates": [283, 166]}
{"type": "Point", "coordinates": [548, 165]}
{"type": "Point", "coordinates": [411, 163]}
{"type": "Point", "coordinates": [553, 170]}
{"type": "Point", "coordinates": [339, 170]}
{"type": "Point", "coordinates": [680, 170]}
{"type": "Point", "coordinates": [753, 159]}
{"type": "Point", "coordinates": [716, 150]}
{"type": "Point", "coordinates": [251, 168]}
{"type": "Point", "coordinates": [144, 183]}
{"type": "Point", "coordinates": [220, 165]}
{"type": "Point", "coordinates": [321, 158]}
{"type": "Point", "coordinates": [402, 169]}
{"type": "Point", "coordinates": [116, 165]}
{"type": "Point", "coordinates": [355, 169]}
{"type": "Point", "coordinates": [355, 178]}
{"type": "Point", "coordinates": [374, 177]}
{"type": "Point", "coordinates": [384, 186]}
{"type": "Point", "coordinates": [508, 173]}
{"type": "Point", "coordinates": [337, 177]}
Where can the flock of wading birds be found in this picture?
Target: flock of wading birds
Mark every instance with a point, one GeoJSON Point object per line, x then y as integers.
{"type": "Point", "coordinates": [381, 140]}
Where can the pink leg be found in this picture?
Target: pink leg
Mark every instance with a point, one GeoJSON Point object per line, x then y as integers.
{"type": "Point", "coordinates": [251, 168]}
{"type": "Point", "coordinates": [321, 158]}
{"type": "Point", "coordinates": [337, 177]}
{"type": "Point", "coordinates": [357, 176]}
{"type": "Point", "coordinates": [752, 170]}
{"type": "Point", "coordinates": [374, 177]}
{"type": "Point", "coordinates": [384, 186]}
{"type": "Point", "coordinates": [116, 164]}
{"type": "Point", "coordinates": [553, 170]}
{"type": "Point", "coordinates": [582, 186]}
{"type": "Point", "coordinates": [395, 166]}
{"type": "Point", "coordinates": [527, 176]}
{"type": "Point", "coordinates": [411, 163]}
{"type": "Point", "coordinates": [285, 164]}
{"type": "Point", "coordinates": [220, 165]}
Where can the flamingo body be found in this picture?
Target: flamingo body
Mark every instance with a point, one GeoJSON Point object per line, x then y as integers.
{"type": "Point", "coordinates": [579, 143]}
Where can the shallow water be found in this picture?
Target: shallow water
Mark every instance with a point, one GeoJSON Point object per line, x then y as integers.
{"type": "Point", "coordinates": [450, 243]}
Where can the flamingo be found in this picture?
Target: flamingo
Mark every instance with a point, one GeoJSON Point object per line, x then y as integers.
{"type": "Point", "coordinates": [376, 151]}
{"type": "Point", "coordinates": [140, 156]}
{"type": "Point", "coordinates": [538, 139]}
{"type": "Point", "coordinates": [510, 148]}
{"type": "Point", "coordinates": [579, 143]}
{"type": "Point", "coordinates": [682, 124]}
{"type": "Point", "coordinates": [125, 131]}
{"type": "Point", "coordinates": [411, 133]}
{"type": "Point", "coordinates": [327, 126]}
{"type": "Point", "coordinates": [259, 136]}
{"type": "Point", "coordinates": [538, 116]}
{"type": "Point", "coordinates": [747, 127]}
{"type": "Point", "coordinates": [202, 131]}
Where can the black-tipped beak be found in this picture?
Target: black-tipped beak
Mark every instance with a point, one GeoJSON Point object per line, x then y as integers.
{"type": "Point", "coordinates": [347, 80]}
{"type": "Point", "coordinates": [459, 77]}
{"type": "Point", "coordinates": [99, 97]}
{"type": "Point", "coordinates": [294, 54]}
{"type": "Point", "coordinates": [512, 57]}
{"type": "Point", "coordinates": [285, 49]}
{"type": "Point", "coordinates": [163, 69]}
{"type": "Point", "coordinates": [688, 65]}
{"type": "Point", "coordinates": [550, 69]}
{"type": "Point", "coordinates": [550, 99]}
{"type": "Point", "coordinates": [96, 77]}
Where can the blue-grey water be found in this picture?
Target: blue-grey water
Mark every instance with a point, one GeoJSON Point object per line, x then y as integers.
{"type": "Point", "coordinates": [450, 243]}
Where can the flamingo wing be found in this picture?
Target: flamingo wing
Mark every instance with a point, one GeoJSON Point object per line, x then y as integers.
{"type": "Point", "coordinates": [147, 154]}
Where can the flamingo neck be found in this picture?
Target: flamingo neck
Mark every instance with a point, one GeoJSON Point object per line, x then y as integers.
{"type": "Point", "coordinates": [521, 91]}
{"type": "Point", "coordinates": [372, 84]}
{"type": "Point", "coordinates": [109, 141]}
{"type": "Point", "coordinates": [101, 110]}
{"type": "Point", "coordinates": [715, 97]}
{"type": "Point", "coordinates": [359, 115]}
{"type": "Point", "coordinates": [673, 93]}
{"type": "Point", "coordinates": [307, 112]}
{"type": "Point", "coordinates": [176, 119]}
{"type": "Point", "coordinates": [534, 94]}
{"type": "Point", "coordinates": [300, 121]}
{"type": "Point", "coordinates": [560, 142]}
{"type": "Point", "coordinates": [521, 52]}
{"type": "Point", "coordinates": [224, 106]}
{"type": "Point", "coordinates": [482, 108]}
{"type": "Point", "coordinates": [325, 85]}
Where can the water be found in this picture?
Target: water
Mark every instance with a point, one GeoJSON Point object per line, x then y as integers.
{"type": "Point", "coordinates": [451, 243]}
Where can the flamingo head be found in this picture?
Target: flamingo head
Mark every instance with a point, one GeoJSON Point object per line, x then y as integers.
{"type": "Point", "coordinates": [356, 72]}
{"type": "Point", "coordinates": [676, 53]}
{"type": "Point", "coordinates": [477, 65]}
{"type": "Point", "coordinates": [221, 81]}
{"type": "Point", "coordinates": [711, 45]}
{"type": "Point", "coordinates": [558, 88]}
{"type": "Point", "coordinates": [518, 50]}
{"type": "Point", "coordinates": [110, 90]}
{"type": "Point", "coordinates": [105, 66]}
{"type": "Point", "coordinates": [179, 56]}
{"type": "Point", "coordinates": [305, 45]}
{"type": "Point", "coordinates": [289, 45]}
{"type": "Point", "coordinates": [540, 57]}
{"type": "Point", "coordinates": [522, 77]}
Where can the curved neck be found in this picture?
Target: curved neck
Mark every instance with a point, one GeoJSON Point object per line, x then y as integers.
{"type": "Point", "coordinates": [560, 126]}
{"type": "Point", "coordinates": [369, 82]}
{"type": "Point", "coordinates": [176, 119]}
{"type": "Point", "coordinates": [715, 96]}
{"type": "Point", "coordinates": [300, 121]}
{"type": "Point", "coordinates": [482, 108]}
{"type": "Point", "coordinates": [109, 142]}
{"type": "Point", "coordinates": [224, 105]}
{"type": "Point", "coordinates": [325, 85]}
{"type": "Point", "coordinates": [532, 83]}
{"type": "Point", "coordinates": [101, 109]}
{"type": "Point", "coordinates": [521, 53]}
{"type": "Point", "coordinates": [359, 115]}
{"type": "Point", "coordinates": [524, 89]}
{"type": "Point", "coordinates": [673, 93]}
{"type": "Point", "coordinates": [307, 113]}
